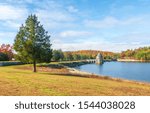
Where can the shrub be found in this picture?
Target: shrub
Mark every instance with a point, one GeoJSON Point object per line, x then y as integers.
{"type": "Point", "coordinates": [9, 63]}
{"type": "Point", "coordinates": [3, 57]}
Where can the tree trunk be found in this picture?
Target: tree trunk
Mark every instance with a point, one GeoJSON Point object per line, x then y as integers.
{"type": "Point", "coordinates": [34, 66]}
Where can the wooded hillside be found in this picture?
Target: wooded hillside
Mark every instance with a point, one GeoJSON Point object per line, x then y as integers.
{"type": "Point", "coordinates": [142, 53]}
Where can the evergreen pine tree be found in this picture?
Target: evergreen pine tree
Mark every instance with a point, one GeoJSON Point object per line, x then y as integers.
{"type": "Point", "coordinates": [32, 43]}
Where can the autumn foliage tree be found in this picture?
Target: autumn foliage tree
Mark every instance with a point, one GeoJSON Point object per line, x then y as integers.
{"type": "Point", "coordinates": [32, 42]}
{"type": "Point", "coordinates": [6, 51]}
{"type": "Point", "coordinates": [142, 53]}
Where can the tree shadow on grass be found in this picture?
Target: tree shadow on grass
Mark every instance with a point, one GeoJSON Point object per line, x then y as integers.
{"type": "Point", "coordinates": [79, 75]}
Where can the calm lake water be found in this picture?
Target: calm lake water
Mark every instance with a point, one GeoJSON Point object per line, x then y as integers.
{"type": "Point", "coordinates": [127, 70]}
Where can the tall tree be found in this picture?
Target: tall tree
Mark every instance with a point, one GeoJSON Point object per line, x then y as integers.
{"type": "Point", "coordinates": [32, 42]}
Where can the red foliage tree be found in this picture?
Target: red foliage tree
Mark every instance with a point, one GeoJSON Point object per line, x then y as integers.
{"type": "Point", "coordinates": [7, 49]}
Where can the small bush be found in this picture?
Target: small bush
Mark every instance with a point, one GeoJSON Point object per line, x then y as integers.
{"type": "Point", "coordinates": [3, 57]}
{"type": "Point", "coordinates": [9, 63]}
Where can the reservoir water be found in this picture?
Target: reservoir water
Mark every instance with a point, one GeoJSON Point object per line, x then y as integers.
{"type": "Point", "coordinates": [126, 70]}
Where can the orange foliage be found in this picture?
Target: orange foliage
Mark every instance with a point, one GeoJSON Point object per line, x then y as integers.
{"type": "Point", "coordinates": [92, 53]}
{"type": "Point", "coordinates": [7, 49]}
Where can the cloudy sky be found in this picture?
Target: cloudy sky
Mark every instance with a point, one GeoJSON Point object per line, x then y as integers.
{"type": "Point", "coordinates": [109, 25]}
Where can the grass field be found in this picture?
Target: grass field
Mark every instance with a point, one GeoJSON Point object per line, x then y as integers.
{"type": "Point", "coordinates": [17, 81]}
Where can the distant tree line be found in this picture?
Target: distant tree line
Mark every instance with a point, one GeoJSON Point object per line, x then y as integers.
{"type": "Point", "coordinates": [7, 54]}
{"type": "Point", "coordinates": [139, 54]}
{"type": "Point", "coordinates": [59, 55]}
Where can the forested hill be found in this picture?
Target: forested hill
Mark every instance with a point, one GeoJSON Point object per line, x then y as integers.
{"type": "Point", "coordinates": [92, 54]}
{"type": "Point", "coordinates": [142, 53]}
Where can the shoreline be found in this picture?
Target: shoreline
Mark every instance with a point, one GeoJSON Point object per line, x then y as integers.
{"type": "Point", "coordinates": [92, 75]}
{"type": "Point", "coordinates": [131, 60]}
{"type": "Point", "coordinates": [76, 71]}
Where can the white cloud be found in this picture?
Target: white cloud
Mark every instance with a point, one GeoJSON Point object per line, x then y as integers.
{"type": "Point", "coordinates": [12, 24]}
{"type": "Point", "coordinates": [74, 33]}
{"type": "Point", "coordinates": [109, 22]}
{"type": "Point", "coordinates": [72, 9]}
{"type": "Point", "coordinates": [106, 22]}
{"type": "Point", "coordinates": [95, 45]}
{"type": "Point", "coordinates": [7, 37]}
{"type": "Point", "coordinates": [81, 46]}
{"type": "Point", "coordinates": [4, 34]}
{"type": "Point", "coordinates": [55, 18]}
{"type": "Point", "coordinates": [12, 16]}
{"type": "Point", "coordinates": [59, 16]}
{"type": "Point", "coordinates": [10, 19]}
{"type": "Point", "coordinates": [20, 1]}
{"type": "Point", "coordinates": [133, 38]}
{"type": "Point", "coordinates": [28, 1]}
{"type": "Point", "coordinates": [8, 12]}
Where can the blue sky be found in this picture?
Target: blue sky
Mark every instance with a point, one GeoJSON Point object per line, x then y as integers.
{"type": "Point", "coordinates": [108, 25]}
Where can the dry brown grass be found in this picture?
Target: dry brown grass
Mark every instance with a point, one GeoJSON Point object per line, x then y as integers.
{"type": "Point", "coordinates": [16, 80]}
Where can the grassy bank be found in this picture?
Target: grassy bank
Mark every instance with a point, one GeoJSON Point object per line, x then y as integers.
{"type": "Point", "coordinates": [15, 80]}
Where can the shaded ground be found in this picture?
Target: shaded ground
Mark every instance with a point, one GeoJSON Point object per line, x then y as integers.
{"type": "Point", "coordinates": [20, 80]}
{"type": "Point", "coordinates": [53, 68]}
